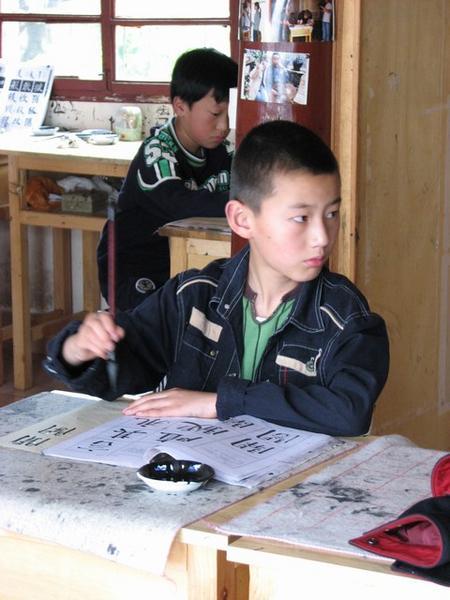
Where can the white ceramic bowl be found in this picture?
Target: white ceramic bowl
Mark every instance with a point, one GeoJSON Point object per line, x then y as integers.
{"type": "Point", "coordinates": [103, 139]}
{"type": "Point", "coordinates": [45, 130]}
{"type": "Point", "coordinates": [171, 475]}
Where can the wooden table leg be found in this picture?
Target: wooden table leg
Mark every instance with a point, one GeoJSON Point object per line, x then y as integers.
{"type": "Point", "coordinates": [62, 271]}
{"type": "Point", "coordinates": [21, 319]}
{"type": "Point", "coordinates": [91, 288]}
{"type": "Point", "coordinates": [212, 577]}
{"type": "Point", "coordinates": [178, 255]}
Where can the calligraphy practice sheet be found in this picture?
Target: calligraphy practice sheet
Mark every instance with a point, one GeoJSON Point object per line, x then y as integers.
{"type": "Point", "coordinates": [24, 96]}
{"type": "Point", "coordinates": [242, 450]}
{"type": "Point", "coordinates": [363, 490]}
{"type": "Point", "coordinates": [2, 74]}
{"type": "Point", "coordinates": [61, 426]}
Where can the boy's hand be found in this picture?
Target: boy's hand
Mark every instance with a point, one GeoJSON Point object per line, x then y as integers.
{"type": "Point", "coordinates": [174, 402]}
{"type": "Point", "coordinates": [97, 335]}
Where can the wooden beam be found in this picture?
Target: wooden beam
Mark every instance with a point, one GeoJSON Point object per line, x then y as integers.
{"type": "Point", "coordinates": [345, 128]}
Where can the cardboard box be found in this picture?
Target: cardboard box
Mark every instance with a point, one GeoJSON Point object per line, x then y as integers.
{"type": "Point", "coordinates": [84, 201]}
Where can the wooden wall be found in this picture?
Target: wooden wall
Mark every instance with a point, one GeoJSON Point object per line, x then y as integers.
{"type": "Point", "coordinates": [402, 218]}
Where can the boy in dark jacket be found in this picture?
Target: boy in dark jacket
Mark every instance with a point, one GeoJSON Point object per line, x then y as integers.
{"type": "Point", "coordinates": [270, 332]}
{"type": "Point", "coordinates": [182, 170]}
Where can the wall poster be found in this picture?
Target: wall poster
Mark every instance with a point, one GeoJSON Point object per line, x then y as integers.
{"type": "Point", "coordinates": [24, 96]}
{"type": "Point", "coordinates": [270, 76]}
{"type": "Point", "coordinates": [286, 21]}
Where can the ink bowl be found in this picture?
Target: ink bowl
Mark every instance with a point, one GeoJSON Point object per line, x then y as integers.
{"type": "Point", "coordinates": [167, 474]}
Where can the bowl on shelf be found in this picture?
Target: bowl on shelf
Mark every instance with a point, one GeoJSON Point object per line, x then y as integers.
{"type": "Point", "coordinates": [103, 139]}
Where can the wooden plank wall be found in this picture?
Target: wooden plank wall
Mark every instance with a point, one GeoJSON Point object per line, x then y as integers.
{"type": "Point", "coordinates": [402, 252]}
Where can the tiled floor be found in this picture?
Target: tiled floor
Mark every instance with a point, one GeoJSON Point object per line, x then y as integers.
{"type": "Point", "coordinates": [42, 381]}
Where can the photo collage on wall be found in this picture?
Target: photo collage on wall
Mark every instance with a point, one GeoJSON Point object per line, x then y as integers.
{"type": "Point", "coordinates": [286, 21]}
{"type": "Point", "coordinates": [270, 76]}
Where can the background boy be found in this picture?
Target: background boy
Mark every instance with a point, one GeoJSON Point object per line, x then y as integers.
{"type": "Point", "coordinates": [182, 170]}
{"type": "Point", "coordinates": [270, 332]}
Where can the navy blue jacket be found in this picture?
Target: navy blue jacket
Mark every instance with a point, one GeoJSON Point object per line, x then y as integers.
{"type": "Point", "coordinates": [322, 370]}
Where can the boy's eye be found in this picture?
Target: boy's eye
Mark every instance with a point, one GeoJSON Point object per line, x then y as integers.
{"type": "Point", "coordinates": [333, 214]}
{"type": "Point", "coordinates": [300, 219]}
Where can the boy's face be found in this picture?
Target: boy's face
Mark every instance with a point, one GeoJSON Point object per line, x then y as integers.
{"type": "Point", "coordinates": [293, 234]}
{"type": "Point", "coordinates": [204, 124]}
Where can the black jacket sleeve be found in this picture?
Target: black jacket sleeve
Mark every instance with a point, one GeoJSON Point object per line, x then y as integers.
{"type": "Point", "coordinates": [144, 356]}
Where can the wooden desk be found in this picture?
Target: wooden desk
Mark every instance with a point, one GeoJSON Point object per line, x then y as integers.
{"type": "Point", "coordinates": [203, 563]}
{"type": "Point", "coordinates": [72, 530]}
{"type": "Point", "coordinates": [34, 568]}
{"type": "Point", "coordinates": [329, 514]}
{"type": "Point", "coordinates": [304, 31]}
{"type": "Point", "coordinates": [281, 572]}
{"type": "Point", "coordinates": [196, 242]}
{"type": "Point", "coordinates": [26, 154]}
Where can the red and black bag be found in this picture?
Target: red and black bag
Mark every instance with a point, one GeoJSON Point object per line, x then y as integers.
{"type": "Point", "coordinates": [419, 540]}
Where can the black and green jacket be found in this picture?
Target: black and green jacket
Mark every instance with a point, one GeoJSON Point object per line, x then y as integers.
{"type": "Point", "coordinates": [165, 182]}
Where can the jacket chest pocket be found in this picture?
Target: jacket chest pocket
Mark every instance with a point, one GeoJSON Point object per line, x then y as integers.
{"type": "Point", "coordinates": [199, 350]}
{"type": "Point", "coordinates": [297, 364]}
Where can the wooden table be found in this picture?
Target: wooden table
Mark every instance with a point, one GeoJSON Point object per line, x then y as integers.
{"type": "Point", "coordinates": [205, 564]}
{"type": "Point", "coordinates": [198, 567]}
{"type": "Point", "coordinates": [35, 154]}
{"type": "Point", "coordinates": [33, 568]}
{"type": "Point", "coordinates": [304, 31]}
{"type": "Point", "coordinates": [48, 559]}
{"type": "Point", "coordinates": [279, 571]}
{"type": "Point", "coordinates": [283, 571]}
{"type": "Point", "coordinates": [197, 241]}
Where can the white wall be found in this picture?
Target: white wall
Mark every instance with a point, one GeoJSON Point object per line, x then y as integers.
{"type": "Point", "coordinates": [87, 115]}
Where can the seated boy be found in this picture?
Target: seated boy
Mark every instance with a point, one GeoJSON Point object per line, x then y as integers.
{"type": "Point", "coordinates": [182, 170]}
{"type": "Point", "coordinates": [270, 332]}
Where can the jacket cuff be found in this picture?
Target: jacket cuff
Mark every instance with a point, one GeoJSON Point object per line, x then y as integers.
{"type": "Point", "coordinates": [231, 397]}
{"type": "Point", "coordinates": [56, 366]}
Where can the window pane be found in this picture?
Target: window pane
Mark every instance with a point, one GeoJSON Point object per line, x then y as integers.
{"type": "Point", "coordinates": [49, 44]}
{"type": "Point", "coordinates": [52, 7]}
{"type": "Point", "coordinates": [149, 53]}
{"type": "Point", "coordinates": [174, 9]}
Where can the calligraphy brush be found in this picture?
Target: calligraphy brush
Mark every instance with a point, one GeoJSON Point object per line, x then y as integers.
{"type": "Point", "coordinates": [111, 364]}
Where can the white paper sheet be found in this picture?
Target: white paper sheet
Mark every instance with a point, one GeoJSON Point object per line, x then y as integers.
{"type": "Point", "coordinates": [24, 96]}
{"type": "Point", "coordinates": [48, 432]}
{"type": "Point", "coordinates": [242, 450]}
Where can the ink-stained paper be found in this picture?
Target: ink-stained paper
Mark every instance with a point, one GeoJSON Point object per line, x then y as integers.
{"type": "Point", "coordinates": [98, 508]}
{"type": "Point", "coordinates": [363, 490]}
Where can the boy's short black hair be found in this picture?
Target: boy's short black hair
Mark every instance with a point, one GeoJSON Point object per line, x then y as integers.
{"type": "Point", "coordinates": [276, 147]}
{"type": "Point", "coordinates": [199, 71]}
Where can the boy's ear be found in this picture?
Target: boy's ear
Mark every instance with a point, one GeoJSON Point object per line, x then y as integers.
{"type": "Point", "coordinates": [179, 106]}
{"type": "Point", "coordinates": [239, 218]}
